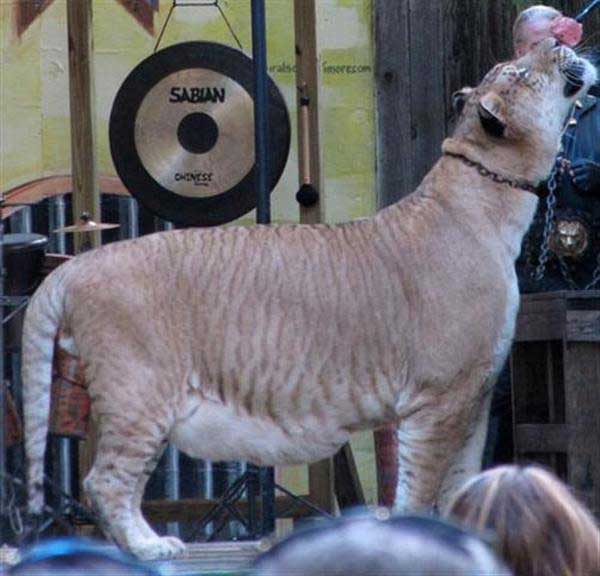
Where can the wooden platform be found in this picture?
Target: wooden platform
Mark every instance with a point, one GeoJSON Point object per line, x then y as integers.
{"type": "Point", "coordinates": [213, 558]}
{"type": "Point", "coordinates": [222, 558]}
{"type": "Point", "coordinates": [555, 365]}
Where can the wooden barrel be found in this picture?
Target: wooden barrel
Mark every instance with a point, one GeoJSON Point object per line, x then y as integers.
{"type": "Point", "coordinates": [70, 401]}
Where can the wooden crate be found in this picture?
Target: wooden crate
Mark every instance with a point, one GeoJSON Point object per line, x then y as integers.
{"type": "Point", "coordinates": [555, 365]}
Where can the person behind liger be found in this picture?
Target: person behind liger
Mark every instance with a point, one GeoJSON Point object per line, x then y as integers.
{"type": "Point", "coordinates": [401, 546]}
{"type": "Point", "coordinates": [570, 236]}
{"type": "Point", "coordinates": [562, 248]}
{"type": "Point", "coordinates": [540, 527]}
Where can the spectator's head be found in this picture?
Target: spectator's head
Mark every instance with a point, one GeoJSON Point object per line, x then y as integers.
{"type": "Point", "coordinates": [542, 530]}
{"type": "Point", "coordinates": [531, 26]}
{"type": "Point", "coordinates": [412, 546]}
{"type": "Point", "coordinates": [78, 557]}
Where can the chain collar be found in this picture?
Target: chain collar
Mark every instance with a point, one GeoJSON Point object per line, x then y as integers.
{"type": "Point", "coordinates": [496, 177]}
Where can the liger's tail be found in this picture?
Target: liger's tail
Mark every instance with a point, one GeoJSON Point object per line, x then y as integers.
{"type": "Point", "coordinates": [42, 321]}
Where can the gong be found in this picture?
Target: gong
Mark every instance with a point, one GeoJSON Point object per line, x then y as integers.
{"type": "Point", "coordinates": [182, 134]}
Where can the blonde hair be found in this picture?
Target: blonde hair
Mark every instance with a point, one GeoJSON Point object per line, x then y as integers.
{"type": "Point", "coordinates": [526, 17]}
{"type": "Point", "coordinates": [541, 528]}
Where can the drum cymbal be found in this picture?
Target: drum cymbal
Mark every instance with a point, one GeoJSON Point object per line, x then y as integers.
{"type": "Point", "coordinates": [86, 224]}
{"type": "Point", "coordinates": [182, 133]}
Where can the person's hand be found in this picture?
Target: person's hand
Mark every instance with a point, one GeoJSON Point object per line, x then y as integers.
{"type": "Point", "coordinates": [586, 176]}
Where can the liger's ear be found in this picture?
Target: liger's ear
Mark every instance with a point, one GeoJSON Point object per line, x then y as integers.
{"type": "Point", "coordinates": [492, 114]}
{"type": "Point", "coordinates": [459, 99]}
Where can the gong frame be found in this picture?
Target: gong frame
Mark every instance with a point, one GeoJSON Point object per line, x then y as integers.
{"type": "Point", "coordinates": [185, 211]}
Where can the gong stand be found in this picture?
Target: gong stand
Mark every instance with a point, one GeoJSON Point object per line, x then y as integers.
{"type": "Point", "coordinates": [255, 480]}
{"type": "Point", "coordinates": [263, 205]}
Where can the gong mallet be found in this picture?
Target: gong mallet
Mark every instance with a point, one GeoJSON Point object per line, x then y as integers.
{"type": "Point", "coordinates": [307, 195]}
{"type": "Point", "coordinates": [587, 10]}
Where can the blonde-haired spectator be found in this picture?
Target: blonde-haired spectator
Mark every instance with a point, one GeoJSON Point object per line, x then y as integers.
{"type": "Point", "coordinates": [541, 528]}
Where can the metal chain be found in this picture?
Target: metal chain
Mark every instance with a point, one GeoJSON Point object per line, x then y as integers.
{"type": "Point", "coordinates": [561, 165]}
{"type": "Point", "coordinates": [566, 273]}
{"type": "Point", "coordinates": [595, 276]}
{"type": "Point", "coordinates": [492, 175]}
{"type": "Point", "coordinates": [14, 514]}
{"type": "Point", "coordinates": [206, 4]}
{"type": "Point", "coordinates": [549, 220]}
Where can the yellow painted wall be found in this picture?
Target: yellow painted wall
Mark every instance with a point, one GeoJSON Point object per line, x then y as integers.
{"type": "Point", "coordinates": [34, 101]}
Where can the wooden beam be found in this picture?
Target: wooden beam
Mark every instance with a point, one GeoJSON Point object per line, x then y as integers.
{"type": "Point", "coordinates": [86, 196]}
{"type": "Point", "coordinates": [307, 82]}
{"type": "Point", "coordinates": [50, 186]}
{"type": "Point", "coordinates": [428, 110]}
{"type": "Point", "coordinates": [582, 399]}
{"type": "Point", "coordinates": [541, 438]}
{"type": "Point", "coordinates": [320, 475]}
{"type": "Point", "coordinates": [392, 89]}
{"type": "Point", "coordinates": [424, 53]}
{"type": "Point", "coordinates": [348, 487]}
{"type": "Point", "coordinates": [321, 485]}
{"type": "Point", "coordinates": [189, 510]}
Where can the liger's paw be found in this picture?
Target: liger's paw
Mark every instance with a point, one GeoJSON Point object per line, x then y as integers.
{"type": "Point", "coordinates": [158, 548]}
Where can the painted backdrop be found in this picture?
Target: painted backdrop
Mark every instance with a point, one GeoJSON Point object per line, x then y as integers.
{"type": "Point", "coordinates": [34, 101]}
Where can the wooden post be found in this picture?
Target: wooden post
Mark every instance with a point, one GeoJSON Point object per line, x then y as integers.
{"type": "Point", "coordinates": [424, 53]}
{"type": "Point", "coordinates": [581, 353]}
{"type": "Point", "coordinates": [409, 83]}
{"type": "Point", "coordinates": [348, 487]}
{"type": "Point", "coordinates": [320, 475]}
{"type": "Point", "coordinates": [555, 408]}
{"type": "Point", "coordinates": [307, 82]}
{"type": "Point", "coordinates": [86, 196]}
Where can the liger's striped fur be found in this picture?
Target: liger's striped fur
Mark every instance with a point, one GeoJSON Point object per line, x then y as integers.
{"type": "Point", "coordinates": [273, 344]}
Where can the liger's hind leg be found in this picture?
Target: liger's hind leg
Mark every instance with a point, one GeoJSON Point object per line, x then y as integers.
{"type": "Point", "coordinates": [427, 441]}
{"type": "Point", "coordinates": [125, 451]}
{"type": "Point", "coordinates": [466, 463]}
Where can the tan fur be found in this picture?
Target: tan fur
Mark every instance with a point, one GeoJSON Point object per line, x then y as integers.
{"type": "Point", "coordinates": [273, 344]}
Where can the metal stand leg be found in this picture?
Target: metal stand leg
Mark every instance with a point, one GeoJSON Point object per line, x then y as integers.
{"type": "Point", "coordinates": [129, 218]}
{"type": "Point", "coordinates": [172, 484]}
{"type": "Point", "coordinates": [62, 476]}
{"type": "Point", "coordinates": [268, 501]}
{"type": "Point", "coordinates": [263, 206]}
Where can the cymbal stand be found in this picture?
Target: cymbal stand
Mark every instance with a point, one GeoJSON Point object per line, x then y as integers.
{"type": "Point", "coordinates": [16, 303]}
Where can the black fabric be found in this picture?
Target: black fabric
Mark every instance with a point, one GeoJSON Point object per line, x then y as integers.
{"type": "Point", "coordinates": [499, 445]}
{"type": "Point", "coordinates": [581, 142]}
